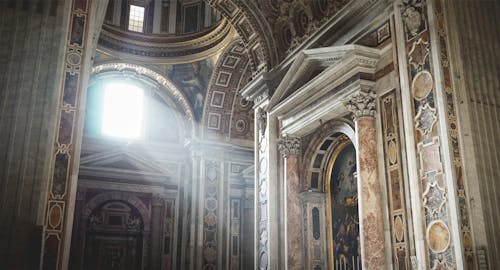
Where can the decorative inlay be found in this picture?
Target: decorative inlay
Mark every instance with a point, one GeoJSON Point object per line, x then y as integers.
{"type": "Point", "coordinates": [438, 236]}
{"type": "Point", "coordinates": [399, 229]}
{"type": "Point", "coordinates": [434, 198]}
{"type": "Point", "coordinates": [452, 124]}
{"type": "Point", "coordinates": [61, 163]}
{"type": "Point", "coordinates": [395, 182]}
{"type": "Point", "coordinates": [210, 225]}
{"type": "Point", "coordinates": [425, 119]}
{"type": "Point", "coordinates": [422, 84]}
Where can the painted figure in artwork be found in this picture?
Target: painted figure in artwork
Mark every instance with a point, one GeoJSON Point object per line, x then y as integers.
{"type": "Point", "coordinates": [344, 210]}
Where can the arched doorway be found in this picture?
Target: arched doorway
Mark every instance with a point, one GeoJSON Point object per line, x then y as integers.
{"type": "Point", "coordinates": [114, 234]}
{"type": "Point", "coordinates": [341, 187]}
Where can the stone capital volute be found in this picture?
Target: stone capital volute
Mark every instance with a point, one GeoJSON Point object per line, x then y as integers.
{"type": "Point", "coordinates": [289, 146]}
{"type": "Point", "coordinates": [157, 199]}
{"type": "Point", "coordinates": [361, 104]}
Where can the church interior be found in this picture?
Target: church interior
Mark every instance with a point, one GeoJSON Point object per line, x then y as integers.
{"type": "Point", "coordinates": [249, 134]}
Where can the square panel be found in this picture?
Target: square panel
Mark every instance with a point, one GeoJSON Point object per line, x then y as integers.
{"type": "Point", "coordinates": [230, 62]}
{"type": "Point", "coordinates": [223, 79]}
{"type": "Point", "coordinates": [217, 99]}
{"type": "Point", "coordinates": [214, 121]}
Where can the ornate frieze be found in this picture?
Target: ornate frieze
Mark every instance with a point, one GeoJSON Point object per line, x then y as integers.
{"type": "Point", "coordinates": [362, 104]}
{"type": "Point", "coordinates": [433, 192]}
{"type": "Point", "coordinates": [262, 191]}
{"type": "Point", "coordinates": [210, 214]}
{"type": "Point", "coordinates": [289, 146]}
{"type": "Point", "coordinates": [64, 157]}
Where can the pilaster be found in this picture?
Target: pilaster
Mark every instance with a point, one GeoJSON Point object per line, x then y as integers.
{"type": "Point", "coordinates": [290, 151]}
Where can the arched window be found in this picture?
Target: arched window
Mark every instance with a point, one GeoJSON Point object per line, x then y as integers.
{"type": "Point", "coordinates": [124, 108]}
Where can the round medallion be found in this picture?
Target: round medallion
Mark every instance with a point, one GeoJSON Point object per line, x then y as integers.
{"type": "Point", "coordinates": [438, 236]}
{"type": "Point", "coordinates": [398, 228]}
{"type": "Point", "coordinates": [241, 125]}
{"type": "Point", "coordinates": [422, 84]}
{"type": "Point", "coordinates": [73, 59]}
{"type": "Point", "coordinates": [392, 152]}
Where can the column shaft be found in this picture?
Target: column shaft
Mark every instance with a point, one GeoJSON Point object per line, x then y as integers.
{"type": "Point", "coordinates": [370, 201]}
{"type": "Point", "coordinates": [293, 217]}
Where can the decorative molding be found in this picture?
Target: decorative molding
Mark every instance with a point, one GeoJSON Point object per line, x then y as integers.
{"type": "Point", "coordinates": [170, 87]}
{"type": "Point", "coordinates": [160, 49]}
{"type": "Point", "coordinates": [362, 104]}
{"type": "Point", "coordinates": [289, 146]}
{"type": "Point", "coordinates": [262, 120]}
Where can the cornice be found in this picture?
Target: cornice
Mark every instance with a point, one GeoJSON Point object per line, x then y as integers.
{"type": "Point", "coordinates": [162, 49]}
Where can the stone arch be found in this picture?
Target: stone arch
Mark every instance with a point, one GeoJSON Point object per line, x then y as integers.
{"type": "Point", "coordinates": [253, 29]}
{"type": "Point", "coordinates": [319, 150]}
{"type": "Point", "coordinates": [163, 87]}
{"type": "Point", "coordinates": [101, 198]}
{"type": "Point", "coordinates": [226, 113]}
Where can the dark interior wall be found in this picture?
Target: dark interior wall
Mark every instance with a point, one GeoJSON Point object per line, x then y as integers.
{"type": "Point", "coordinates": [477, 32]}
{"type": "Point", "coordinates": [31, 57]}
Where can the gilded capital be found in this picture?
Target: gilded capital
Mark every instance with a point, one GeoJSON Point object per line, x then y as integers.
{"type": "Point", "coordinates": [289, 146]}
{"type": "Point", "coordinates": [361, 104]}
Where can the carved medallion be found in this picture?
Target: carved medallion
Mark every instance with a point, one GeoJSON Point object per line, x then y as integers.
{"type": "Point", "coordinates": [422, 84]}
{"type": "Point", "coordinates": [412, 19]}
{"type": "Point", "coordinates": [438, 236]}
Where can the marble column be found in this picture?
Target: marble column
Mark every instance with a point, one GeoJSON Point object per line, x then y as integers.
{"type": "Point", "coordinates": [156, 217]}
{"type": "Point", "coordinates": [290, 149]}
{"type": "Point", "coordinates": [371, 224]}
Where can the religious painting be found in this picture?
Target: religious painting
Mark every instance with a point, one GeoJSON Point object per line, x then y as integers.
{"type": "Point", "coordinates": [192, 79]}
{"type": "Point", "coordinates": [343, 209]}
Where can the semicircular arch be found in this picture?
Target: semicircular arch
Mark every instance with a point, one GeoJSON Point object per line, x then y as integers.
{"type": "Point", "coordinates": [165, 89]}
{"type": "Point", "coordinates": [102, 198]}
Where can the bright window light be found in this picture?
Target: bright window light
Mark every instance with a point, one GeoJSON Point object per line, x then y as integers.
{"type": "Point", "coordinates": [122, 110]}
{"type": "Point", "coordinates": [136, 18]}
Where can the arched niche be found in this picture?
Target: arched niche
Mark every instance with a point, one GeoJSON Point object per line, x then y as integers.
{"type": "Point", "coordinates": [115, 235]}
{"type": "Point", "coordinates": [171, 103]}
{"type": "Point", "coordinates": [317, 151]}
{"type": "Point", "coordinates": [342, 213]}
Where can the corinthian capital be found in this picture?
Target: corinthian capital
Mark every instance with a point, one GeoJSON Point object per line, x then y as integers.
{"type": "Point", "coordinates": [289, 146]}
{"type": "Point", "coordinates": [361, 103]}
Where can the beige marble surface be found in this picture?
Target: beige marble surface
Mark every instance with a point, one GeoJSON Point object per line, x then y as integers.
{"type": "Point", "coordinates": [370, 203]}
{"type": "Point", "coordinates": [294, 234]}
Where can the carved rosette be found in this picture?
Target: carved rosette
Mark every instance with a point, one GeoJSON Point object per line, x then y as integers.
{"type": "Point", "coordinates": [361, 104]}
{"type": "Point", "coordinates": [289, 146]}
